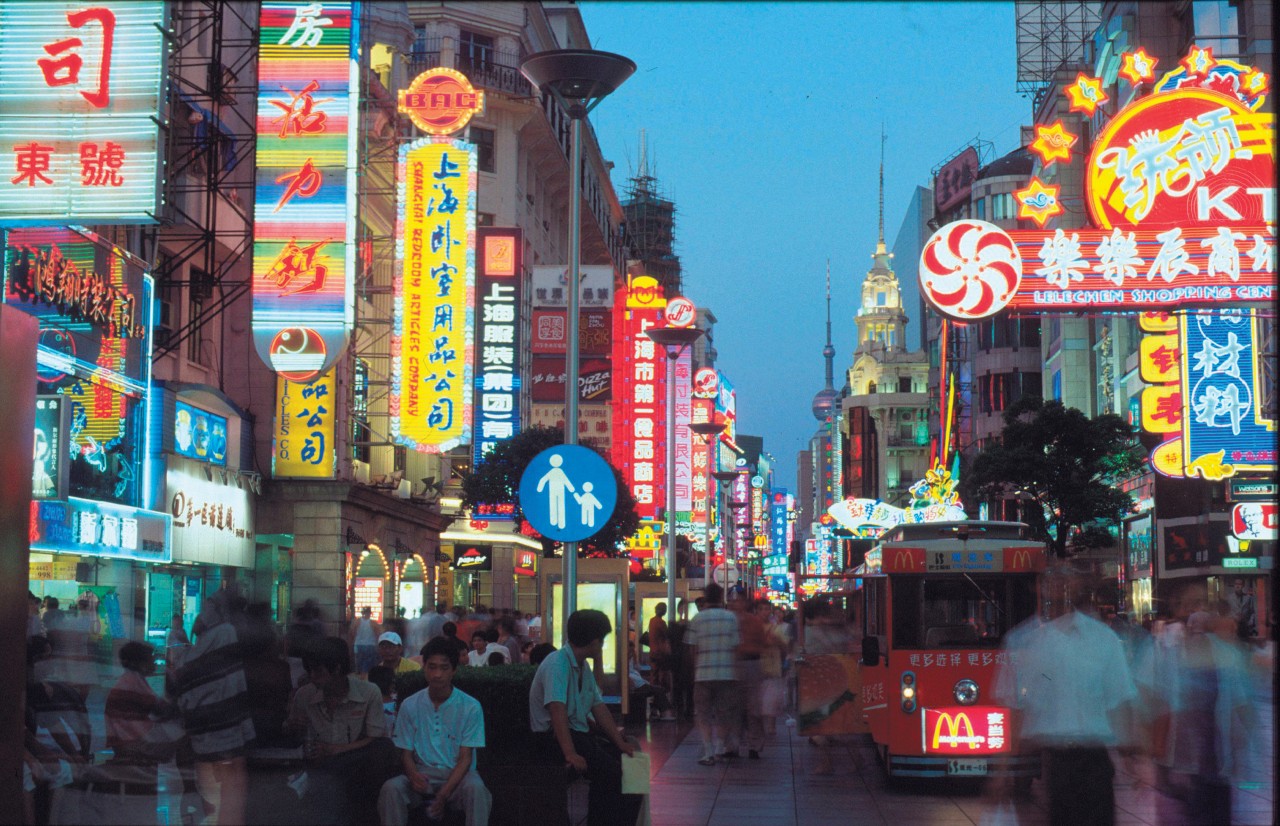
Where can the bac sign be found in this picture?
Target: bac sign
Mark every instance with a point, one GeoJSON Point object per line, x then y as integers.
{"type": "Point", "coordinates": [965, 730]}
{"type": "Point", "coordinates": [1254, 520]}
{"type": "Point", "coordinates": [441, 101]}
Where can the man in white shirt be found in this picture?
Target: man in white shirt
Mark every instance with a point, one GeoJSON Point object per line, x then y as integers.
{"type": "Point", "coordinates": [1071, 680]}
{"type": "Point", "coordinates": [563, 701]}
{"type": "Point", "coordinates": [437, 732]}
{"type": "Point", "coordinates": [435, 623]}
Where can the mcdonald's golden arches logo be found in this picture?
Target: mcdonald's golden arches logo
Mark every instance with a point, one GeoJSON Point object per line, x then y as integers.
{"type": "Point", "coordinates": [953, 738]}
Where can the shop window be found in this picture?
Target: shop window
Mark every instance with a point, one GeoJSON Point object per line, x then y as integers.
{"type": "Point", "coordinates": [486, 149]}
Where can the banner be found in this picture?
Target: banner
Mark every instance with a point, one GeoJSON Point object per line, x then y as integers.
{"type": "Point", "coordinates": [305, 431]}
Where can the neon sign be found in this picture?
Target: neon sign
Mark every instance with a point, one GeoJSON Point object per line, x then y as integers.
{"type": "Point", "coordinates": [640, 420]}
{"type": "Point", "coordinates": [304, 216]}
{"type": "Point", "coordinates": [441, 101]}
{"type": "Point", "coordinates": [497, 402]}
{"type": "Point", "coordinates": [965, 730]}
{"type": "Point", "coordinates": [432, 344]}
{"type": "Point", "coordinates": [305, 428]}
{"type": "Point", "coordinates": [81, 97]}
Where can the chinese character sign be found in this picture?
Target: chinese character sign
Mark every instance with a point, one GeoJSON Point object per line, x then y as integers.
{"type": "Point", "coordinates": [305, 428]}
{"type": "Point", "coordinates": [1226, 427]}
{"type": "Point", "coordinates": [497, 386]}
{"type": "Point", "coordinates": [304, 215]}
{"type": "Point", "coordinates": [432, 343]}
{"type": "Point", "coordinates": [685, 443]}
{"type": "Point", "coordinates": [81, 94]}
{"type": "Point", "coordinates": [640, 421]}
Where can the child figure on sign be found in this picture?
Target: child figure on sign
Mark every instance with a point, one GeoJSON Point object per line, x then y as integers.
{"type": "Point", "coordinates": [590, 504]}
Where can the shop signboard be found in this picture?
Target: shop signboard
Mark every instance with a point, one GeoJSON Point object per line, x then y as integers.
{"type": "Point", "coordinates": [212, 518]}
{"type": "Point", "coordinates": [639, 404]}
{"type": "Point", "coordinates": [778, 522]}
{"type": "Point", "coordinates": [367, 592]}
{"type": "Point", "coordinates": [1196, 544]}
{"type": "Point", "coordinates": [304, 245]}
{"type": "Point", "coordinates": [101, 529]}
{"type": "Point", "coordinates": [51, 463]}
{"type": "Point", "coordinates": [954, 181]}
{"type": "Point", "coordinates": [526, 562]}
{"type": "Point", "coordinates": [472, 557]}
{"type": "Point", "coordinates": [441, 101]}
{"type": "Point", "coordinates": [551, 332]}
{"type": "Point", "coordinates": [432, 343]}
{"type": "Point", "coordinates": [82, 97]}
{"type": "Point", "coordinates": [548, 374]}
{"type": "Point", "coordinates": [305, 428]}
{"type": "Point", "coordinates": [1242, 490]}
{"type": "Point", "coordinates": [199, 434]}
{"type": "Point", "coordinates": [595, 422]}
{"type": "Point", "coordinates": [1254, 520]}
{"type": "Point", "coordinates": [499, 273]}
{"type": "Point", "coordinates": [551, 286]}
{"type": "Point", "coordinates": [685, 443]}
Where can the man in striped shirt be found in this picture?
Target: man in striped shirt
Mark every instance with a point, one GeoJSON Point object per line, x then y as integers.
{"type": "Point", "coordinates": [713, 637]}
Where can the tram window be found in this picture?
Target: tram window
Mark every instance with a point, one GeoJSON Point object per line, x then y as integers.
{"type": "Point", "coordinates": [874, 608]}
{"type": "Point", "coordinates": [958, 611]}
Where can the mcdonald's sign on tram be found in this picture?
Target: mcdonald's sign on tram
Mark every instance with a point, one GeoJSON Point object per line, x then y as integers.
{"type": "Point", "coordinates": [970, 730]}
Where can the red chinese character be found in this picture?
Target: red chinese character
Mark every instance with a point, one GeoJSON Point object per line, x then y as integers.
{"type": "Point", "coordinates": [64, 69]}
{"type": "Point", "coordinates": [305, 182]}
{"type": "Point", "coordinates": [1169, 408]}
{"type": "Point", "coordinates": [31, 162]}
{"type": "Point", "coordinates": [101, 167]}
{"type": "Point", "coordinates": [1165, 358]}
{"type": "Point", "coordinates": [295, 263]}
{"type": "Point", "coordinates": [299, 112]}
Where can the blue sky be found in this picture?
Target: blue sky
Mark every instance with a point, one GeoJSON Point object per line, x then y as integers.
{"type": "Point", "coordinates": [763, 124]}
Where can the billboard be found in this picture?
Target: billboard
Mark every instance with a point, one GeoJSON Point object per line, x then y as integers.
{"type": "Point", "coordinates": [432, 344]}
{"type": "Point", "coordinates": [551, 286]}
{"type": "Point", "coordinates": [685, 446]}
{"type": "Point", "coordinates": [82, 98]}
{"type": "Point", "coordinates": [305, 428]}
{"type": "Point", "coordinates": [639, 438]}
{"type": "Point", "coordinates": [499, 272]}
{"type": "Point", "coordinates": [551, 332]}
{"type": "Point", "coordinates": [199, 434]}
{"type": "Point", "coordinates": [595, 422]}
{"type": "Point", "coordinates": [954, 181]}
{"type": "Point", "coordinates": [304, 246]}
{"type": "Point", "coordinates": [51, 463]}
{"type": "Point", "coordinates": [548, 375]}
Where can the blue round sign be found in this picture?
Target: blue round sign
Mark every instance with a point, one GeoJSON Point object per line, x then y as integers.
{"type": "Point", "coordinates": [568, 492]}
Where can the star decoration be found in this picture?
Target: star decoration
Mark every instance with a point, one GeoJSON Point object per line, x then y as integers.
{"type": "Point", "coordinates": [1198, 61]}
{"type": "Point", "coordinates": [1255, 83]}
{"type": "Point", "coordinates": [1038, 202]}
{"type": "Point", "coordinates": [1085, 93]}
{"type": "Point", "coordinates": [1053, 143]}
{"type": "Point", "coordinates": [1138, 67]}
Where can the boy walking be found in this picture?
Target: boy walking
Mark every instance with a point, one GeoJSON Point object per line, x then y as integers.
{"type": "Point", "coordinates": [437, 732]}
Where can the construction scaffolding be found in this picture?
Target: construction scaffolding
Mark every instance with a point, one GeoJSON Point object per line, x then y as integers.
{"type": "Point", "coordinates": [650, 219]}
{"type": "Point", "coordinates": [205, 219]}
{"type": "Point", "coordinates": [1051, 33]}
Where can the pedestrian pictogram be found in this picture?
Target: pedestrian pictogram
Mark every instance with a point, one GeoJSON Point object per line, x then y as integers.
{"type": "Point", "coordinates": [568, 492]}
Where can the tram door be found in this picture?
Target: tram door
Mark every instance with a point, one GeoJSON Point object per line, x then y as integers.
{"type": "Point", "coordinates": [828, 682]}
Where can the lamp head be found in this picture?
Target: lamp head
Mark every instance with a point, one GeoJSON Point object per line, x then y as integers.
{"type": "Point", "coordinates": [584, 75]}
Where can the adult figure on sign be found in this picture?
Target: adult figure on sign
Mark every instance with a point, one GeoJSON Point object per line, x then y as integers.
{"type": "Point", "coordinates": [568, 469]}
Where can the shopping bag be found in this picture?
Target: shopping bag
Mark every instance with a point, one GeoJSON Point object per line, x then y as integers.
{"type": "Point", "coordinates": [635, 773]}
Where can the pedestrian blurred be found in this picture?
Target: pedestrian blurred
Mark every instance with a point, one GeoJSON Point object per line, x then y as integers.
{"type": "Point", "coordinates": [434, 626]}
{"type": "Point", "coordinates": [713, 639]}
{"type": "Point", "coordinates": [385, 679]}
{"type": "Point", "coordinates": [450, 633]}
{"type": "Point", "coordinates": [268, 678]}
{"type": "Point", "coordinates": [34, 626]}
{"type": "Point", "coordinates": [1244, 610]}
{"type": "Point", "coordinates": [348, 752]}
{"type": "Point", "coordinates": [563, 701]}
{"type": "Point", "coordinates": [485, 649]}
{"type": "Point", "coordinates": [535, 628]}
{"type": "Point", "coordinates": [659, 647]}
{"type": "Point", "coordinates": [753, 641]}
{"type": "Point", "coordinates": [681, 662]}
{"type": "Point", "coordinates": [58, 733]}
{"type": "Point", "coordinates": [1071, 681]}
{"type": "Point", "coordinates": [390, 650]}
{"type": "Point", "coordinates": [770, 668]}
{"type": "Point", "coordinates": [506, 627]}
{"type": "Point", "coordinates": [415, 632]}
{"type": "Point", "coordinates": [308, 614]}
{"type": "Point", "coordinates": [212, 694]}
{"type": "Point", "coordinates": [50, 613]}
{"type": "Point", "coordinates": [642, 689]}
{"type": "Point", "coordinates": [437, 734]}
{"type": "Point", "coordinates": [540, 652]}
{"type": "Point", "coordinates": [364, 641]}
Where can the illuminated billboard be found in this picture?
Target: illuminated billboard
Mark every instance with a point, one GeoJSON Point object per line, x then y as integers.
{"type": "Point", "coordinates": [639, 420]}
{"type": "Point", "coordinates": [304, 214]}
{"type": "Point", "coordinates": [199, 434]}
{"type": "Point", "coordinates": [497, 392]}
{"type": "Point", "coordinates": [81, 107]}
{"type": "Point", "coordinates": [305, 428]}
{"type": "Point", "coordinates": [432, 343]}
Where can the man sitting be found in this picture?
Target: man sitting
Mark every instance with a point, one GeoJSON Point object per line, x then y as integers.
{"type": "Point", "coordinates": [563, 700]}
{"type": "Point", "coordinates": [391, 654]}
{"type": "Point", "coordinates": [437, 732]}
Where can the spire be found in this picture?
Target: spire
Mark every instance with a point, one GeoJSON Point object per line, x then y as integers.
{"type": "Point", "coordinates": [882, 183]}
{"type": "Point", "coordinates": [826, 399]}
{"type": "Point", "coordinates": [644, 158]}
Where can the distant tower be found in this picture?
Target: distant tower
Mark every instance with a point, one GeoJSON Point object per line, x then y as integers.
{"type": "Point", "coordinates": [650, 218]}
{"type": "Point", "coordinates": [881, 320]}
{"type": "Point", "coordinates": [828, 397]}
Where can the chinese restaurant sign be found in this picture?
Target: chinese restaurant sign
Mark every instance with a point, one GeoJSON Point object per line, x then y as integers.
{"type": "Point", "coordinates": [433, 339]}
{"type": "Point", "coordinates": [304, 215]}
{"type": "Point", "coordinates": [81, 94]}
{"type": "Point", "coordinates": [639, 405]}
{"type": "Point", "coordinates": [498, 276]}
{"type": "Point", "coordinates": [305, 428]}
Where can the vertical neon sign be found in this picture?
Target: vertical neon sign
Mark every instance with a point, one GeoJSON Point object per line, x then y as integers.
{"type": "Point", "coordinates": [640, 411]}
{"type": "Point", "coordinates": [499, 271]}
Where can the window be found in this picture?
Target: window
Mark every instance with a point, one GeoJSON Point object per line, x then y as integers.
{"type": "Point", "coordinates": [484, 219]}
{"type": "Point", "coordinates": [880, 298]}
{"type": "Point", "coordinates": [361, 435]}
{"type": "Point", "coordinates": [475, 51]}
{"type": "Point", "coordinates": [904, 384]}
{"type": "Point", "coordinates": [1217, 26]}
{"type": "Point", "coordinates": [199, 291]}
{"type": "Point", "coordinates": [871, 389]}
{"type": "Point", "coordinates": [959, 612]}
{"type": "Point", "coordinates": [1057, 385]}
{"type": "Point", "coordinates": [980, 209]}
{"type": "Point", "coordinates": [486, 149]}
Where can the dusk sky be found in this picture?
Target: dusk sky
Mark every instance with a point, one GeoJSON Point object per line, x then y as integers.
{"type": "Point", "coordinates": [763, 124]}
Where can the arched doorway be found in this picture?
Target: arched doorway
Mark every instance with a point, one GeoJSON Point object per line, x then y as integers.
{"type": "Point", "coordinates": [413, 596]}
{"type": "Point", "coordinates": [369, 583]}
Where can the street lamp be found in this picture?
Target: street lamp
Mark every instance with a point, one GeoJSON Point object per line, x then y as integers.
{"type": "Point", "coordinates": [708, 431]}
{"type": "Point", "coordinates": [578, 79]}
{"type": "Point", "coordinates": [725, 478]}
{"type": "Point", "coordinates": [675, 340]}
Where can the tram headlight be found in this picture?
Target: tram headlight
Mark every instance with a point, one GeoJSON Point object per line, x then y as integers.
{"type": "Point", "coordinates": [907, 689]}
{"type": "Point", "coordinates": [966, 692]}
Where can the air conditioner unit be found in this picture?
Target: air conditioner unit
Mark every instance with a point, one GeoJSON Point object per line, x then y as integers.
{"type": "Point", "coordinates": [360, 471]}
{"type": "Point", "coordinates": [405, 490]}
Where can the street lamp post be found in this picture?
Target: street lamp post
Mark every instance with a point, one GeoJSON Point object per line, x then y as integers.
{"type": "Point", "coordinates": [708, 430]}
{"type": "Point", "coordinates": [725, 478]}
{"type": "Point", "coordinates": [578, 79]}
{"type": "Point", "coordinates": [675, 340]}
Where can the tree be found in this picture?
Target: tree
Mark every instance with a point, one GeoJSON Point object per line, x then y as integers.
{"type": "Point", "coordinates": [1067, 463]}
{"type": "Point", "coordinates": [497, 480]}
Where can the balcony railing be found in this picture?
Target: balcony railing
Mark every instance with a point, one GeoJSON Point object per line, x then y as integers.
{"type": "Point", "coordinates": [496, 71]}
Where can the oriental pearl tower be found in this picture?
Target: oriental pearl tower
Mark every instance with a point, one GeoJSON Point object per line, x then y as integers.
{"type": "Point", "coordinates": [826, 399]}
